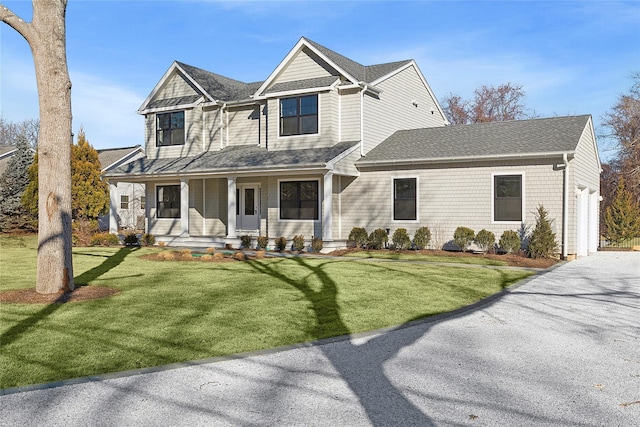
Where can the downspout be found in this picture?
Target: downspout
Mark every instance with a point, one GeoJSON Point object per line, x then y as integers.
{"type": "Point", "coordinates": [364, 90]}
{"type": "Point", "coordinates": [565, 209]}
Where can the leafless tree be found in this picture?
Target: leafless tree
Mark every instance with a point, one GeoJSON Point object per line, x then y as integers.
{"type": "Point", "coordinates": [46, 35]}
{"type": "Point", "coordinates": [489, 104]}
{"type": "Point", "coordinates": [10, 131]}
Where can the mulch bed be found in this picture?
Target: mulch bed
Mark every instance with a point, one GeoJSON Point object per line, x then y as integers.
{"type": "Point", "coordinates": [81, 293]}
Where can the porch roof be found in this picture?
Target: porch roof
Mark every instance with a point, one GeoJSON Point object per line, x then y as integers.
{"type": "Point", "coordinates": [232, 160]}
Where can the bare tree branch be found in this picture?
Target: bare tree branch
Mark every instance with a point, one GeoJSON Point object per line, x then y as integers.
{"type": "Point", "coordinates": [15, 22]}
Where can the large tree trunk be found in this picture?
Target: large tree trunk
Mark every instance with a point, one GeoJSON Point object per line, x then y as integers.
{"type": "Point", "coordinates": [47, 38]}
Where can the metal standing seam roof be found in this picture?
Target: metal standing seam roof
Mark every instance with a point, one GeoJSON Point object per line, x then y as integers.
{"type": "Point", "coordinates": [498, 139]}
{"type": "Point", "coordinates": [250, 158]}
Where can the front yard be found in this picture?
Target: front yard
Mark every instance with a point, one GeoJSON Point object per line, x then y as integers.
{"type": "Point", "coordinates": [170, 311]}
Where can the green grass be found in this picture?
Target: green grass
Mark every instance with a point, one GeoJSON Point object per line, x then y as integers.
{"type": "Point", "coordinates": [174, 311]}
{"type": "Point", "coordinates": [403, 256]}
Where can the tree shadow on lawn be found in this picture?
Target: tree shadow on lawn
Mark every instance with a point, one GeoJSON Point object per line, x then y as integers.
{"type": "Point", "coordinates": [110, 262]}
{"type": "Point", "coordinates": [361, 366]}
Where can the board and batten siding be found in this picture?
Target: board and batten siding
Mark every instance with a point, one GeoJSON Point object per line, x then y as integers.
{"type": "Point", "coordinates": [305, 65]}
{"type": "Point", "coordinates": [450, 196]}
{"type": "Point", "coordinates": [395, 110]}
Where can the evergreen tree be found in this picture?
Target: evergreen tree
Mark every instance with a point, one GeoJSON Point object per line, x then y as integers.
{"type": "Point", "coordinates": [13, 183]}
{"type": "Point", "coordinates": [89, 194]}
{"type": "Point", "coordinates": [622, 217]}
{"type": "Point", "coordinates": [543, 240]}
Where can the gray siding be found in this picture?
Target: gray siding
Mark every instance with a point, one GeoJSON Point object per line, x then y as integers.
{"type": "Point", "coordinates": [395, 109]}
{"type": "Point", "coordinates": [448, 197]}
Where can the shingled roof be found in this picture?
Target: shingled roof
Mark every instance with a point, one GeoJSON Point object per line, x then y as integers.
{"type": "Point", "coordinates": [522, 138]}
{"type": "Point", "coordinates": [111, 157]}
{"type": "Point", "coordinates": [220, 87]}
{"type": "Point", "coordinates": [246, 157]}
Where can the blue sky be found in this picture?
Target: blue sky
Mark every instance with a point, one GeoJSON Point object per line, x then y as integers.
{"type": "Point", "coordinates": [571, 57]}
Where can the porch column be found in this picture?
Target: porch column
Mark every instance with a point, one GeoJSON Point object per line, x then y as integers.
{"type": "Point", "coordinates": [184, 207]}
{"type": "Point", "coordinates": [231, 207]}
{"type": "Point", "coordinates": [327, 208]}
{"type": "Point", "coordinates": [113, 207]}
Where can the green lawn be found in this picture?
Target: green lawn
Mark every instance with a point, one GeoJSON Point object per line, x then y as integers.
{"type": "Point", "coordinates": [174, 311]}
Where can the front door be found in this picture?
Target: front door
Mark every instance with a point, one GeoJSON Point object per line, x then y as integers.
{"type": "Point", "coordinates": [248, 199]}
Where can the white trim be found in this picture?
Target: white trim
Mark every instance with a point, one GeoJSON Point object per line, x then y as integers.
{"type": "Point", "coordinates": [297, 179]}
{"type": "Point", "coordinates": [393, 199]}
{"type": "Point", "coordinates": [462, 159]}
{"type": "Point", "coordinates": [135, 150]}
{"type": "Point", "coordinates": [257, 197]}
{"type": "Point", "coordinates": [155, 129]}
{"type": "Point", "coordinates": [298, 92]}
{"type": "Point", "coordinates": [172, 108]}
{"type": "Point", "coordinates": [523, 212]}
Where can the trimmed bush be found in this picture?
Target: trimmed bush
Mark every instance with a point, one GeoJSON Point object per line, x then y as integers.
{"type": "Point", "coordinates": [104, 239]}
{"type": "Point", "coordinates": [485, 240]}
{"type": "Point", "coordinates": [400, 239]}
{"type": "Point", "coordinates": [245, 241]}
{"type": "Point", "coordinates": [377, 239]}
{"type": "Point", "coordinates": [422, 238]}
{"type": "Point", "coordinates": [510, 241]}
{"type": "Point", "coordinates": [463, 237]}
{"type": "Point", "coordinates": [543, 240]}
{"type": "Point", "coordinates": [263, 242]}
{"type": "Point", "coordinates": [317, 244]}
{"type": "Point", "coordinates": [281, 243]}
{"type": "Point", "coordinates": [359, 237]}
{"type": "Point", "coordinates": [148, 239]}
{"type": "Point", "coordinates": [131, 240]}
{"type": "Point", "coordinates": [298, 243]}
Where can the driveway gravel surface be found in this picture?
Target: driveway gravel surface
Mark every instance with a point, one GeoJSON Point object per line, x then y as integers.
{"type": "Point", "coordinates": [563, 349]}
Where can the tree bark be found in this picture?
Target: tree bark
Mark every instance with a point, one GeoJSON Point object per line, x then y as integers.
{"type": "Point", "coordinates": [46, 35]}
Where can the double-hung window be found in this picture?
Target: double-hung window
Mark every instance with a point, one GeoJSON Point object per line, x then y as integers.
{"type": "Point", "coordinates": [299, 115]}
{"type": "Point", "coordinates": [124, 202]}
{"type": "Point", "coordinates": [299, 200]}
{"type": "Point", "coordinates": [507, 198]}
{"type": "Point", "coordinates": [168, 199]}
{"type": "Point", "coordinates": [170, 129]}
{"type": "Point", "coordinates": [405, 199]}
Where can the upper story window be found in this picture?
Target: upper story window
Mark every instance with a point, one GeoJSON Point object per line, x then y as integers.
{"type": "Point", "coordinates": [170, 129]}
{"type": "Point", "coordinates": [507, 198]}
{"type": "Point", "coordinates": [299, 115]}
{"type": "Point", "coordinates": [405, 199]}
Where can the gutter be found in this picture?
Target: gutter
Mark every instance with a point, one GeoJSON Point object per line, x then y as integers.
{"type": "Point", "coordinates": [404, 162]}
{"type": "Point", "coordinates": [565, 208]}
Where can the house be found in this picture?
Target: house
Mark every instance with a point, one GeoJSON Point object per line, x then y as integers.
{"type": "Point", "coordinates": [128, 198]}
{"type": "Point", "coordinates": [325, 144]}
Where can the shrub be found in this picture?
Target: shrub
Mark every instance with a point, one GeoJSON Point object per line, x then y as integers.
{"type": "Point", "coordinates": [263, 242]}
{"type": "Point", "coordinates": [400, 239]}
{"type": "Point", "coordinates": [83, 230]}
{"type": "Point", "coordinates": [422, 238]}
{"type": "Point", "coordinates": [211, 251]}
{"type": "Point", "coordinates": [463, 237]}
{"type": "Point", "coordinates": [377, 239]}
{"type": "Point", "coordinates": [317, 244]}
{"type": "Point", "coordinates": [542, 243]}
{"type": "Point", "coordinates": [485, 240]}
{"type": "Point", "coordinates": [131, 240]}
{"type": "Point", "coordinates": [104, 239]}
{"type": "Point", "coordinates": [148, 239]}
{"type": "Point", "coordinates": [298, 243]}
{"type": "Point", "coordinates": [162, 244]}
{"type": "Point", "coordinates": [281, 243]}
{"type": "Point", "coordinates": [359, 237]}
{"type": "Point", "coordinates": [245, 241]}
{"type": "Point", "coordinates": [240, 256]}
{"type": "Point", "coordinates": [510, 241]}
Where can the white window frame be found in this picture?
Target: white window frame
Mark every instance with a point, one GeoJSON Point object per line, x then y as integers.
{"type": "Point", "coordinates": [393, 199]}
{"type": "Point", "coordinates": [522, 195]}
{"type": "Point", "coordinates": [123, 202]}
{"type": "Point", "coordinates": [320, 192]}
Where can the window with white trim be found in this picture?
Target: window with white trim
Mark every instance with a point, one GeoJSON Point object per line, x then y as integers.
{"type": "Point", "coordinates": [168, 201]}
{"type": "Point", "coordinates": [170, 129]}
{"type": "Point", "coordinates": [299, 200]}
{"type": "Point", "coordinates": [507, 198]}
{"type": "Point", "coordinates": [405, 199]}
{"type": "Point", "coordinates": [299, 115]}
{"type": "Point", "coordinates": [124, 202]}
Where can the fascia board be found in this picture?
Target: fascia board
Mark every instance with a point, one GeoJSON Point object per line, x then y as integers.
{"type": "Point", "coordinates": [464, 159]}
{"type": "Point", "coordinates": [589, 128]}
{"type": "Point", "coordinates": [342, 155]}
{"type": "Point", "coordinates": [137, 150]}
{"type": "Point", "coordinates": [297, 91]}
{"type": "Point", "coordinates": [195, 83]}
{"type": "Point", "coordinates": [171, 107]}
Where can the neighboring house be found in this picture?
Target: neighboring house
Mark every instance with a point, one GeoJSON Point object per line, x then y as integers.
{"type": "Point", "coordinates": [5, 155]}
{"type": "Point", "coordinates": [128, 198]}
{"type": "Point", "coordinates": [325, 144]}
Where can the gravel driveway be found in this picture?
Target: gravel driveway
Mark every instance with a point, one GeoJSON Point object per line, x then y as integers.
{"type": "Point", "coordinates": [561, 350]}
